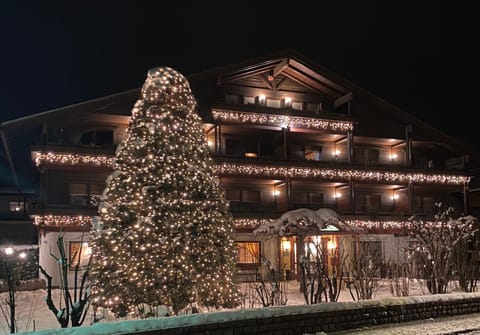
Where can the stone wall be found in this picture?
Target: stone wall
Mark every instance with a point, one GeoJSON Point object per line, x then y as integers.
{"type": "Point", "coordinates": [288, 320]}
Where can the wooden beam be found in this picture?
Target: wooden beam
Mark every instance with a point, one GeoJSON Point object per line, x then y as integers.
{"type": "Point", "coordinates": [309, 82]}
{"type": "Point", "coordinates": [265, 80]}
{"type": "Point", "coordinates": [243, 74]}
{"type": "Point", "coordinates": [346, 98]}
{"type": "Point", "coordinates": [280, 67]}
{"type": "Point", "coordinates": [308, 71]}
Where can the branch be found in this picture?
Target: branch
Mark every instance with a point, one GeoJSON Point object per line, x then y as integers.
{"type": "Point", "coordinates": [60, 315]}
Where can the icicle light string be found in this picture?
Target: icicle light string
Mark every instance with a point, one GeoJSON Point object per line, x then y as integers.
{"type": "Point", "coordinates": [270, 171]}
{"type": "Point", "coordinates": [240, 223]}
{"type": "Point", "coordinates": [282, 121]}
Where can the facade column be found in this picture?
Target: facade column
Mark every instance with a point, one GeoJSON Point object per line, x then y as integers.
{"type": "Point", "coordinates": [218, 139]}
{"type": "Point", "coordinates": [408, 160]}
{"type": "Point", "coordinates": [285, 143]}
{"type": "Point", "coordinates": [410, 199]}
{"type": "Point", "coordinates": [289, 192]}
{"type": "Point", "coordinates": [350, 147]}
{"type": "Point", "coordinates": [352, 195]}
{"type": "Point", "coordinates": [465, 198]}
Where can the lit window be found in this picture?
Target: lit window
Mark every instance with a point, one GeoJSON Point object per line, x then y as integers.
{"type": "Point", "coordinates": [79, 254]}
{"type": "Point", "coordinates": [313, 152]}
{"type": "Point", "coordinates": [16, 206]}
{"type": "Point", "coordinates": [248, 252]}
{"type": "Point", "coordinates": [275, 103]}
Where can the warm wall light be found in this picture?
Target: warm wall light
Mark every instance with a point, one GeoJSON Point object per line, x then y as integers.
{"type": "Point", "coordinates": [336, 152]}
{"type": "Point", "coordinates": [395, 196]}
{"type": "Point", "coordinates": [331, 245]}
{"type": "Point", "coordinates": [286, 245]}
{"type": "Point", "coordinates": [337, 195]}
{"type": "Point", "coordinates": [393, 156]}
{"type": "Point", "coordinates": [276, 193]}
{"type": "Point", "coordinates": [251, 154]}
{"type": "Point", "coordinates": [210, 143]}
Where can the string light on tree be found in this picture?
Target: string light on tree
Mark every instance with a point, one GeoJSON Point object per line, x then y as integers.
{"type": "Point", "coordinates": [165, 236]}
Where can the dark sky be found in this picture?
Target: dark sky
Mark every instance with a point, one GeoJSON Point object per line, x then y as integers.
{"type": "Point", "coordinates": [417, 57]}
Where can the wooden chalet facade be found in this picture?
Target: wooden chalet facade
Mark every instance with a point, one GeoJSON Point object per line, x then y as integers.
{"type": "Point", "coordinates": [285, 133]}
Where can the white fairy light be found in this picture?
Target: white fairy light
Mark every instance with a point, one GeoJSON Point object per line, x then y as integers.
{"type": "Point", "coordinates": [272, 171]}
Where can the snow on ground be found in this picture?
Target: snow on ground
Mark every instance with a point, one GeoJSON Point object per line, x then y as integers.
{"type": "Point", "coordinates": [33, 314]}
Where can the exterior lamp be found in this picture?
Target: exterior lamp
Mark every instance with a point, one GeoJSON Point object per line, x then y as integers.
{"type": "Point", "coordinates": [9, 276]}
{"type": "Point", "coordinates": [331, 245]}
{"type": "Point", "coordinates": [286, 245]}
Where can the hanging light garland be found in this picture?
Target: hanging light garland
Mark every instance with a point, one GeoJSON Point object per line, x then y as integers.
{"type": "Point", "coordinates": [62, 220]}
{"type": "Point", "coordinates": [346, 174]}
{"type": "Point", "coordinates": [60, 158]}
{"type": "Point", "coordinates": [282, 121]}
{"type": "Point", "coordinates": [257, 170]}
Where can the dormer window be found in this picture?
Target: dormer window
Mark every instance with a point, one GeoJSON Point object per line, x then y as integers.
{"type": "Point", "coordinates": [248, 100]}
{"type": "Point", "coordinates": [274, 103]}
{"type": "Point", "coordinates": [261, 99]}
{"type": "Point", "coordinates": [297, 105]}
{"type": "Point", "coordinates": [312, 107]}
{"type": "Point", "coordinates": [286, 102]}
{"type": "Point", "coordinates": [232, 98]}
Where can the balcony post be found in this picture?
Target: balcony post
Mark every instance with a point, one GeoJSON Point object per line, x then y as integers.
{"type": "Point", "coordinates": [350, 147]}
{"type": "Point", "coordinates": [465, 197]}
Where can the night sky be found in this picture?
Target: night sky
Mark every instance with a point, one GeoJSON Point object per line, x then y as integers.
{"type": "Point", "coordinates": [420, 59]}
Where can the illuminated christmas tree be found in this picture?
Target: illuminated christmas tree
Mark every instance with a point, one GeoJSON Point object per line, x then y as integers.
{"type": "Point", "coordinates": [165, 236]}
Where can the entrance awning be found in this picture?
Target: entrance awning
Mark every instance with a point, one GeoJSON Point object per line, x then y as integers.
{"type": "Point", "coordinates": [306, 222]}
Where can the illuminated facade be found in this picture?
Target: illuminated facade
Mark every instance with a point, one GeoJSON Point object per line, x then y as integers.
{"type": "Point", "coordinates": [285, 133]}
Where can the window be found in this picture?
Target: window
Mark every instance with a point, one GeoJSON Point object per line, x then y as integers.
{"type": "Point", "coordinates": [300, 197]}
{"type": "Point", "coordinates": [297, 105]}
{"type": "Point", "coordinates": [233, 195]}
{"type": "Point", "coordinates": [242, 195]}
{"type": "Point", "coordinates": [275, 103]}
{"type": "Point", "coordinates": [373, 156]}
{"type": "Point", "coordinates": [78, 195]}
{"type": "Point", "coordinates": [97, 137]}
{"type": "Point", "coordinates": [85, 195]}
{"type": "Point", "coordinates": [79, 254]}
{"type": "Point", "coordinates": [248, 100]}
{"type": "Point", "coordinates": [373, 203]}
{"type": "Point", "coordinates": [231, 98]}
{"type": "Point", "coordinates": [248, 252]}
{"type": "Point", "coordinates": [251, 196]}
{"type": "Point", "coordinates": [312, 108]}
{"type": "Point", "coordinates": [316, 198]}
{"type": "Point", "coordinates": [313, 152]}
{"type": "Point", "coordinates": [371, 255]}
{"type": "Point", "coordinates": [16, 206]}
{"type": "Point", "coordinates": [308, 199]}
{"type": "Point", "coordinates": [424, 204]}
{"type": "Point", "coordinates": [239, 147]}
